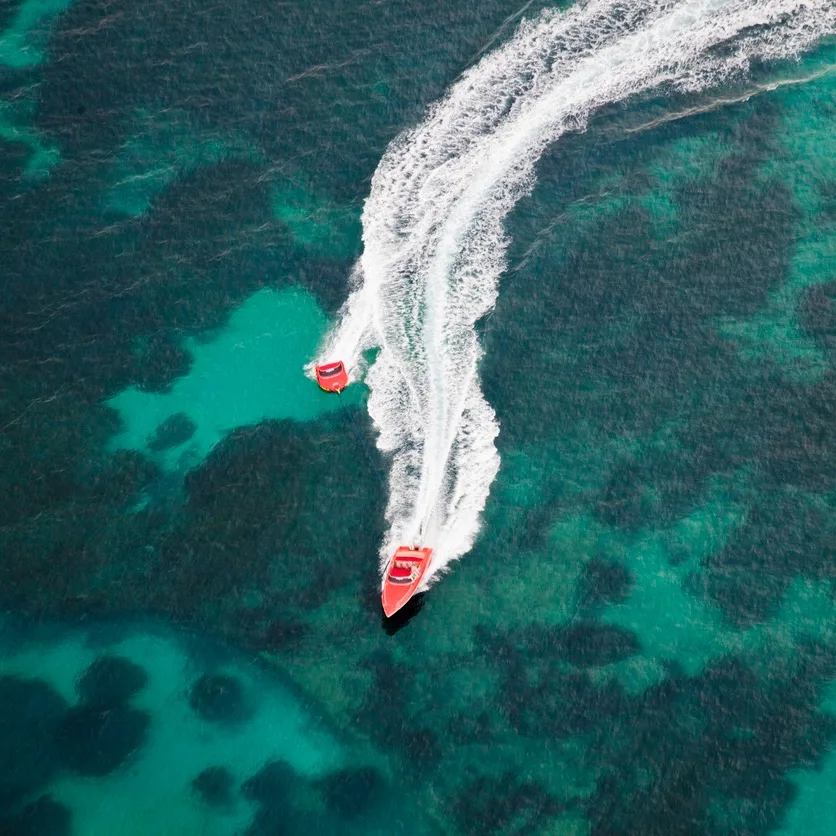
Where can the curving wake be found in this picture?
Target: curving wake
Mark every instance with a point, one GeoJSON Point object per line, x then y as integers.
{"type": "Point", "coordinates": [434, 245]}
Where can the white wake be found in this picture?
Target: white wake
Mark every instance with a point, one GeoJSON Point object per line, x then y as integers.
{"type": "Point", "coordinates": [434, 245]}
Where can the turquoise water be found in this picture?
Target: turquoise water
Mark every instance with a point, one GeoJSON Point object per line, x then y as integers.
{"type": "Point", "coordinates": [640, 641]}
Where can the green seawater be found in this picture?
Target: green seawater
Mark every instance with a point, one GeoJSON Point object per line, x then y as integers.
{"type": "Point", "coordinates": [641, 640]}
{"type": "Point", "coordinates": [234, 380]}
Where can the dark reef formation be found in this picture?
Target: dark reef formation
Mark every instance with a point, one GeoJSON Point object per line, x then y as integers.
{"type": "Point", "coordinates": [274, 788]}
{"type": "Point", "coordinates": [219, 698]}
{"type": "Point", "coordinates": [215, 785]}
{"type": "Point", "coordinates": [96, 741]}
{"type": "Point", "coordinates": [349, 793]}
{"type": "Point", "coordinates": [605, 582]}
{"type": "Point", "coordinates": [43, 817]}
{"type": "Point", "coordinates": [624, 272]}
{"type": "Point", "coordinates": [496, 806]}
{"type": "Point", "coordinates": [30, 713]}
{"type": "Point", "coordinates": [111, 681]}
{"type": "Point", "coordinates": [739, 743]}
{"type": "Point", "coordinates": [174, 431]}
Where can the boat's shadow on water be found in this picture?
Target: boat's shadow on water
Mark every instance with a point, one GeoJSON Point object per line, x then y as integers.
{"type": "Point", "coordinates": [403, 616]}
{"type": "Point", "coordinates": [371, 602]}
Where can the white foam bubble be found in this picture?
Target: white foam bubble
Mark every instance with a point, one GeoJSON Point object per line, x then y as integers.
{"type": "Point", "coordinates": [434, 244]}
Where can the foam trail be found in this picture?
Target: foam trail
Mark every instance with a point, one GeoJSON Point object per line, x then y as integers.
{"type": "Point", "coordinates": [434, 245]}
{"type": "Point", "coordinates": [354, 334]}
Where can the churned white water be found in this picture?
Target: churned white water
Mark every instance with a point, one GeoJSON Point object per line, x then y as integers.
{"type": "Point", "coordinates": [434, 244]}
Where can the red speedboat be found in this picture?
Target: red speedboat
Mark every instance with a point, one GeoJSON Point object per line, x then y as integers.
{"type": "Point", "coordinates": [332, 377]}
{"type": "Point", "coordinates": [403, 575]}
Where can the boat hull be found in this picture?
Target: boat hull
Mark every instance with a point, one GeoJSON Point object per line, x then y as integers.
{"type": "Point", "coordinates": [403, 576]}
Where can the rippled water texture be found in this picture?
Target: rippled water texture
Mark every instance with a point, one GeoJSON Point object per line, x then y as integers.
{"type": "Point", "coordinates": [638, 637]}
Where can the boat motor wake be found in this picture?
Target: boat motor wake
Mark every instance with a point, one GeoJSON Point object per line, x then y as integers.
{"type": "Point", "coordinates": [434, 244]}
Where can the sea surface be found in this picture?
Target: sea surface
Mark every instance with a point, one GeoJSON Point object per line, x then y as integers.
{"type": "Point", "coordinates": [581, 261]}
